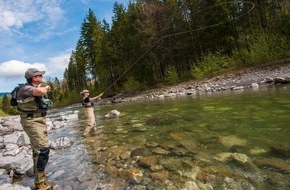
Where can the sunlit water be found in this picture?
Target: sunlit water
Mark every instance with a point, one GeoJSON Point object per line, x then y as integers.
{"type": "Point", "coordinates": [193, 130]}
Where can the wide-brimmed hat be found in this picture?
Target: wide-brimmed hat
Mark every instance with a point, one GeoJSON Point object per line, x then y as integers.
{"type": "Point", "coordinates": [32, 72]}
{"type": "Point", "coordinates": [84, 91]}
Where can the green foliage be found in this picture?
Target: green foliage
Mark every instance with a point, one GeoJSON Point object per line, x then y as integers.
{"type": "Point", "coordinates": [132, 85]}
{"type": "Point", "coordinates": [171, 75]}
{"type": "Point", "coordinates": [6, 108]}
{"type": "Point", "coordinates": [2, 113]}
{"type": "Point", "coordinates": [210, 65]}
{"type": "Point", "coordinates": [5, 103]}
{"type": "Point", "coordinates": [66, 99]}
{"type": "Point", "coordinates": [262, 49]}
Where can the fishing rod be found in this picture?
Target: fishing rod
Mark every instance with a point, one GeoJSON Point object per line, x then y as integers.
{"type": "Point", "coordinates": [185, 32]}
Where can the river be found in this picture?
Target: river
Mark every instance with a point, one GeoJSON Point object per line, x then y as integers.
{"type": "Point", "coordinates": [224, 140]}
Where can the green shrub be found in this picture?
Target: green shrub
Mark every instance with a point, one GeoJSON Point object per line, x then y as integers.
{"type": "Point", "coordinates": [209, 65]}
{"type": "Point", "coordinates": [262, 49]}
{"type": "Point", "coordinates": [132, 85]}
{"type": "Point", "coordinates": [171, 75]}
{"type": "Point", "coordinates": [65, 99]}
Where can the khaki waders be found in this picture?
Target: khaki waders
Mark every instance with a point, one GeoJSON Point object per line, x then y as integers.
{"type": "Point", "coordinates": [35, 128]}
{"type": "Point", "coordinates": [90, 120]}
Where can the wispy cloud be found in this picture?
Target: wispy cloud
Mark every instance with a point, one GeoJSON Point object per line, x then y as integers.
{"type": "Point", "coordinates": [38, 17]}
{"type": "Point", "coordinates": [57, 64]}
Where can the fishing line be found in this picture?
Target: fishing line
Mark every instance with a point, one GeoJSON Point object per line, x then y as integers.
{"type": "Point", "coordinates": [185, 32]}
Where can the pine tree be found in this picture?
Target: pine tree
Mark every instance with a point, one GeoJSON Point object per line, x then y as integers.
{"type": "Point", "coordinates": [6, 104]}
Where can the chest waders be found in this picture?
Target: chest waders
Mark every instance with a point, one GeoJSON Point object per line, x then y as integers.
{"type": "Point", "coordinates": [34, 124]}
{"type": "Point", "coordinates": [90, 120]}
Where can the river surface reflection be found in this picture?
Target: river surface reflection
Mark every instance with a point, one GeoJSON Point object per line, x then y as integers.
{"type": "Point", "coordinates": [236, 140]}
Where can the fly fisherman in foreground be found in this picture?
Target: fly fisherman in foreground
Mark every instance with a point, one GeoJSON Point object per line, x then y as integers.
{"type": "Point", "coordinates": [32, 107]}
{"type": "Point", "coordinates": [88, 105]}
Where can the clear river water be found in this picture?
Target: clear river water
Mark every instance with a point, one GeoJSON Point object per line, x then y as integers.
{"type": "Point", "coordinates": [224, 140]}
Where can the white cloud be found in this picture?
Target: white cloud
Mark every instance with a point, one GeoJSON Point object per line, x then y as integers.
{"type": "Point", "coordinates": [42, 14]}
{"type": "Point", "coordinates": [15, 69]}
{"type": "Point", "coordinates": [56, 65]}
{"type": "Point", "coordinates": [12, 72]}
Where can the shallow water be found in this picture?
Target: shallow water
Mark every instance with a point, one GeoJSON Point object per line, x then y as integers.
{"type": "Point", "coordinates": [191, 133]}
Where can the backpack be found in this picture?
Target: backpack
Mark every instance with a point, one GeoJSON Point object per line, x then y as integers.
{"type": "Point", "coordinates": [13, 100]}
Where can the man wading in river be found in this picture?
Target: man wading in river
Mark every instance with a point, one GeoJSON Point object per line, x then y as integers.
{"type": "Point", "coordinates": [32, 105]}
{"type": "Point", "coordinates": [88, 105]}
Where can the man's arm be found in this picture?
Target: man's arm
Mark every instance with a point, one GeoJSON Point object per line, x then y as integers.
{"type": "Point", "coordinates": [40, 91]}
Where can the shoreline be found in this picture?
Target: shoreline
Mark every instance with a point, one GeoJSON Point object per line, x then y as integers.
{"type": "Point", "coordinates": [251, 77]}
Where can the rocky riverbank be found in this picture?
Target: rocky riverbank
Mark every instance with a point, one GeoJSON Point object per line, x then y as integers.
{"type": "Point", "coordinates": [237, 80]}
{"type": "Point", "coordinates": [15, 150]}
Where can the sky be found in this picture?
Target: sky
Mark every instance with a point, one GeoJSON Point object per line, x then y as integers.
{"type": "Point", "coordinates": [42, 34]}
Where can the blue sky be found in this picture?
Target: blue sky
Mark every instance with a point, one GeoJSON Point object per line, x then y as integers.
{"type": "Point", "coordinates": [42, 34]}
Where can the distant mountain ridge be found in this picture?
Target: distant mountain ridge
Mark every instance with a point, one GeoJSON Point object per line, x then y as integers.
{"type": "Point", "coordinates": [3, 93]}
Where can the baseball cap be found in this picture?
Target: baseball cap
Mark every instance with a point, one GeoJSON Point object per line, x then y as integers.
{"type": "Point", "coordinates": [32, 72]}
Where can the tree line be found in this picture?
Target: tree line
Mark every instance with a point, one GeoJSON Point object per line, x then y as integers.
{"type": "Point", "coordinates": [168, 41]}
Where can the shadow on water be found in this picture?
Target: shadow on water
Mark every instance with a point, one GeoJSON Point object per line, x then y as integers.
{"type": "Point", "coordinates": [221, 141]}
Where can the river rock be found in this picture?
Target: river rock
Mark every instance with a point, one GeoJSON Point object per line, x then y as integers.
{"type": "Point", "coordinates": [275, 163]}
{"type": "Point", "coordinates": [238, 88]}
{"type": "Point", "coordinates": [191, 185]}
{"type": "Point", "coordinates": [8, 186]}
{"type": "Point", "coordinates": [269, 80]}
{"type": "Point", "coordinates": [156, 168]}
{"type": "Point", "coordinates": [22, 166]}
{"type": "Point", "coordinates": [279, 80]}
{"type": "Point", "coordinates": [232, 140]}
{"type": "Point", "coordinates": [161, 151]}
{"type": "Point", "coordinates": [282, 150]}
{"type": "Point", "coordinates": [60, 143]}
{"type": "Point", "coordinates": [141, 152]}
{"type": "Point", "coordinates": [12, 123]}
{"type": "Point", "coordinates": [58, 124]}
{"type": "Point", "coordinates": [113, 113]}
{"type": "Point", "coordinates": [178, 135]}
{"type": "Point", "coordinates": [147, 161]}
{"type": "Point", "coordinates": [131, 175]}
{"type": "Point", "coordinates": [258, 151]}
{"type": "Point", "coordinates": [224, 157]}
{"type": "Point", "coordinates": [160, 175]}
{"type": "Point", "coordinates": [19, 138]}
{"type": "Point", "coordinates": [254, 85]}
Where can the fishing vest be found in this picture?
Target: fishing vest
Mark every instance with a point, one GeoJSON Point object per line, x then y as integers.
{"type": "Point", "coordinates": [87, 104]}
{"type": "Point", "coordinates": [34, 104]}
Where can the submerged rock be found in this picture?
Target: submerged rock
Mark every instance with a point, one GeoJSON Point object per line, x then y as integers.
{"type": "Point", "coordinates": [161, 175]}
{"type": "Point", "coordinates": [232, 140]}
{"type": "Point", "coordinates": [280, 150]}
{"type": "Point", "coordinates": [113, 113]}
{"type": "Point", "coordinates": [132, 175]}
{"type": "Point", "coordinates": [274, 163]}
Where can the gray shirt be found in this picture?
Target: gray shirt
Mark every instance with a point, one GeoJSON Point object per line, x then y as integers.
{"type": "Point", "coordinates": [25, 92]}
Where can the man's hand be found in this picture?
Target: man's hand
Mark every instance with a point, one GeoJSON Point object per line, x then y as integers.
{"type": "Point", "coordinates": [48, 88]}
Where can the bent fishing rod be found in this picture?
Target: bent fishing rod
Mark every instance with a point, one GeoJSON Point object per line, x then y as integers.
{"type": "Point", "coordinates": [184, 32]}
